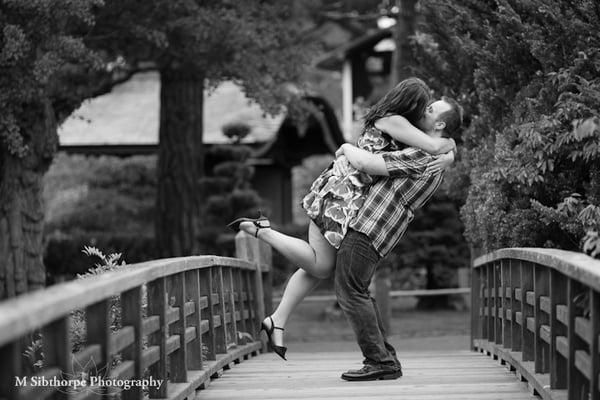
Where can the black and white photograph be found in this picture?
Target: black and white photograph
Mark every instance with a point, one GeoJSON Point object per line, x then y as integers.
{"type": "Point", "coordinates": [292, 200]}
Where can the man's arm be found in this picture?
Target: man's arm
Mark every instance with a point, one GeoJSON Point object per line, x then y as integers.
{"type": "Point", "coordinates": [394, 164]}
{"type": "Point", "coordinates": [362, 160]}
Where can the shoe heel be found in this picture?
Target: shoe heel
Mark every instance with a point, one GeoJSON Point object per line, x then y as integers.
{"type": "Point", "coordinates": [395, 375]}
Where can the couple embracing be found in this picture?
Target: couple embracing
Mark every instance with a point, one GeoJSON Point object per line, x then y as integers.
{"type": "Point", "coordinates": [360, 207]}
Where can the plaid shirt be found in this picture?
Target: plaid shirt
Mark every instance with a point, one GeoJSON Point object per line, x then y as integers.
{"type": "Point", "coordinates": [390, 202]}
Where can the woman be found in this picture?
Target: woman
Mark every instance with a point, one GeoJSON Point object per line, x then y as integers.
{"type": "Point", "coordinates": [335, 198]}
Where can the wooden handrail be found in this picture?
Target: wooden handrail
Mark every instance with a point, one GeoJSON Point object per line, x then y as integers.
{"type": "Point", "coordinates": [538, 310]}
{"type": "Point", "coordinates": [195, 305]}
{"type": "Point", "coordinates": [577, 266]}
{"type": "Point", "coordinates": [25, 313]}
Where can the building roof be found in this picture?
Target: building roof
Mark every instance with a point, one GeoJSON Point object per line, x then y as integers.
{"type": "Point", "coordinates": [321, 134]}
{"type": "Point", "coordinates": [334, 59]}
{"type": "Point", "coordinates": [129, 115]}
{"type": "Point", "coordinates": [124, 122]}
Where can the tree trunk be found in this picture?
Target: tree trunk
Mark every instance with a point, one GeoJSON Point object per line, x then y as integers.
{"type": "Point", "coordinates": [180, 163]}
{"type": "Point", "coordinates": [405, 30]}
{"type": "Point", "coordinates": [21, 203]}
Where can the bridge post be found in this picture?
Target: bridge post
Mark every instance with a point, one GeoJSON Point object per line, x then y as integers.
{"type": "Point", "coordinates": [253, 250]}
{"type": "Point", "coordinates": [476, 307]}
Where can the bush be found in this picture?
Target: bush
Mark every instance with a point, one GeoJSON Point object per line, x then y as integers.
{"type": "Point", "coordinates": [63, 256]}
{"type": "Point", "coordinates": [107, 202]}
{"type": "Point", "coordinates": [100, 195]}
{"type": "Point", "coordinates": [533, 95]}
{"type": "Point", "coordinates": [228, 195]}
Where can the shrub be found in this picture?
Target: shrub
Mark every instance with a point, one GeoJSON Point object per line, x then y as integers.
{"type": "Point", "coordinates": [532, 69]}
{"type": "Point", "coordinates": [64, 259]}
{"type": "Point", "coordinates": [228, 195]}
{"type": "Point", "coordinates": [236, 131]}
{"type": "Point", "coordinates": [100, 195]}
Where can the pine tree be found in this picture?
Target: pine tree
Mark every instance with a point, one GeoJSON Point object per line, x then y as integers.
{"type": "Point", "coordinates": [195, 45]}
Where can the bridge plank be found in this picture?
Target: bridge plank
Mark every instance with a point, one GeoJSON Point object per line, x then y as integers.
{"type": "Point", "coordinates": [427, 376]}
{"type": "Point", "coordinates": [595, 331]}
{"type": "Point", "coordinates": [157, 305]}
{"type": "Point", "coordinates": [192, 290]}
{"type": "Point", "coordinates": [131, 313]}
{"type": "Point", "coordinates": [178, 359]}
{"type": "Point", "coordinates": [525, 369]}
{"type": "Point", "coordinates": [558, 330]}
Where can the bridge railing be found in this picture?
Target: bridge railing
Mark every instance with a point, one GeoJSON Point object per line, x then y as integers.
{"type": "Point", "coordinates": [200, 318]}
{"type": "Point", "coordinates": [538, 310]}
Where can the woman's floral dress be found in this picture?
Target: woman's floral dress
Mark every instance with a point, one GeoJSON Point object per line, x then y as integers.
{"type": "Point", "coordinates": [334, 200]}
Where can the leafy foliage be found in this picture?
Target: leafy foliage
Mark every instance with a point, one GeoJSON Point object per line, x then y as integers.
{"type": "Point", "coordinates": [236, 131]}
{"type": "Point", "coordinates": [534, 98]}
{"type": "Point", "coordinates": [107, 202]}
{"type": "Point", "coordinates": [259, 44]}
{"type": "Point", "coordinates": [577, 218]}
{"type": "Point", "coordinates": [40, 42]}
{"type": "Point", "coordinates": [197, 44]}
{"type": "Point", "coordinates": [96, 195]}
{"type": "Point", "coordinates": [229, 195]}
{"type": "Point", "coordinates": [108, 263]}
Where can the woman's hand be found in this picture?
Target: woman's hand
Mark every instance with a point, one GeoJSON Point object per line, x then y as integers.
{"type": "Point", "coordinates": [340, 151]}
{"type": "Point", "coordinates": [341, 166]}
{"type": "Point", "coordinates": [443, 162]}
{"type": "Point", "coordinates": [443, 146]}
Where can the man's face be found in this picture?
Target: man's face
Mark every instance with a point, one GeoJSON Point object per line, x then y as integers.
{"type": "Point", "coordinates": [432, 113]}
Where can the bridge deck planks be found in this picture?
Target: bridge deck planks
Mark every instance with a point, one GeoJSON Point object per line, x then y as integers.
{"type": "Point", "coordinates": [458, 375]}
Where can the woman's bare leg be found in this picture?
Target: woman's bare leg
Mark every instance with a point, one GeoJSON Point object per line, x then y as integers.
{"type": "Point", "coordinates": [316, 260]}
{"type": "Point", "coordinates": [300, 284]}
{"type": "Point", "coordinates": [317, 257]}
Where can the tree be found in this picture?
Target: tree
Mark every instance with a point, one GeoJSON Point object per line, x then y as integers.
{"type": "Point", "coordinates": [229, 195]}
{"type": "Point", "coordinates": [40, 44]}
{"type": "Point", "coordinates": [195, 45]}
{"type": "Point", "coordinates": [527, 71]}
{"type": "Point", "coordinates": [52, 59]}
{"type": "Point", "coordinates": [404, 61]}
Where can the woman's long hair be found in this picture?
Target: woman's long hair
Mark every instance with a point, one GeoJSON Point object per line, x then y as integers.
{"type": "Point", "coordinates": [409, 98]}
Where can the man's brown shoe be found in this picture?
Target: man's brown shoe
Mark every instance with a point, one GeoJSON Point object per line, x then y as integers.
{"type": "Point", "coordinates": [372, 373]}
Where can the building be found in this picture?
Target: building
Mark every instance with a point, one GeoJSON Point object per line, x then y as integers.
{"type": "Point", "coordinates": [125, 122]}
{"type": "Point", "coordinates": [365, 64]}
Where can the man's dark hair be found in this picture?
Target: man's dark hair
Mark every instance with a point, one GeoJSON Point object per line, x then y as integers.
{"type": "Point", "coordinates": [453, 118]}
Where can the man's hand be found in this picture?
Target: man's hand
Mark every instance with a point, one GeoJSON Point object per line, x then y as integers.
{"type": "Point", "coordinates": [442, 162]}
{"type": "Point", "coordinates": [362, 160]}
{"type": "Point", "coordinates": [454, 149]}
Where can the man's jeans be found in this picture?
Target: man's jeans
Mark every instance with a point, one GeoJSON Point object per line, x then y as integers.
{"type": "Point", "coordinates": [356, 263]}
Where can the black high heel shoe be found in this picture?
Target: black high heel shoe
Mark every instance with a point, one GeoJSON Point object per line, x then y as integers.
{"type": "Point", "coordinates": [235, 225]}
{"type": "Point", "coordinates": [279, 350]}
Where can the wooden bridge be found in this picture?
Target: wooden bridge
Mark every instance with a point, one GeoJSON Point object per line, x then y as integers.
{"type": "Point", "coordinates": [185, 329]}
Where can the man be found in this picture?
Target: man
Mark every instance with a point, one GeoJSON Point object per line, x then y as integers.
{"type": "Point", "coordinates": [407, 181]}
